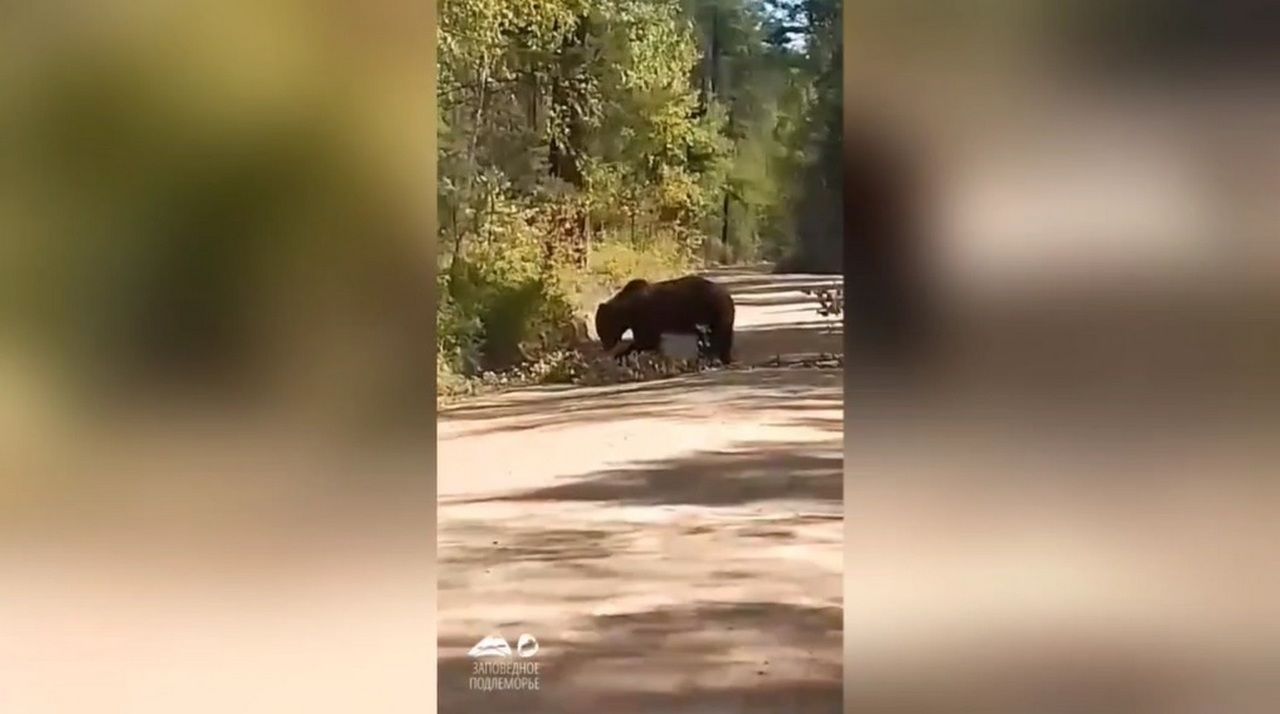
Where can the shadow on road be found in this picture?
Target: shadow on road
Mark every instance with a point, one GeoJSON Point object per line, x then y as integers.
{"type": "Point", "coordinates": [759, 344]}
{"type": "Point", "coordinates": [798, 393]}
{"type": "Point", "coordinates": [743, 281]}
{"type": "Point", "coordinates": [750, 473]}
{"type": "Point", "coordinates": [699, 644]}
{"type": "Point", "coordinates": [769, 299]}
{"type": "Point", "coordinates": [793, 288]}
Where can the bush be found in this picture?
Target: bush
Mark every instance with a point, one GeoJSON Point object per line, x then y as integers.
{"type": "Point", "coordinates": [506, 308]}
{"type": "Point", "coordinates": [486, 324]}
{"type": "Point", "coordinates": [615, 262]}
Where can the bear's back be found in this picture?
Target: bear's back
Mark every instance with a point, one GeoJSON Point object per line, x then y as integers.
{"type": "Point", "coordinates": [635, 286]}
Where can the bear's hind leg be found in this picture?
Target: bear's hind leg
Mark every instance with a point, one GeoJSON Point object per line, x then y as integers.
{"type": "Point", "coordinates": [722, 344]}
{"type": "Point", "coordinates": [704, 341]}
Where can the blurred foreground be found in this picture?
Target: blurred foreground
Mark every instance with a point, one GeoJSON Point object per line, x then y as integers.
{"type": "Point", "coordinates": [1069, 504]}
{"type": "Point", "coordinates": [215, 267]}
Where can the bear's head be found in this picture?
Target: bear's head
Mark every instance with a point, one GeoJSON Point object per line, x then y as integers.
{"type": "Point", "coordinates": [610, 325]}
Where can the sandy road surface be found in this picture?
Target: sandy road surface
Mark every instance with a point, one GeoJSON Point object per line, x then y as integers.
{"type": "Point", "coordinates": [674, 546]}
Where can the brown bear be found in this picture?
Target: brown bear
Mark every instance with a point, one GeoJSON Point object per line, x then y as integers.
{"type": "Point", "coordinates": [679, 306]}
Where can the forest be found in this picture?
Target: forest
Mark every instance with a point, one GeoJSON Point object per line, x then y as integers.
{"type": "Point", "coordinates": [584, 143]}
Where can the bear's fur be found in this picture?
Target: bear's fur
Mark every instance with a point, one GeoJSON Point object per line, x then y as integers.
{"type": "Point", "coordinates": [680, 306]}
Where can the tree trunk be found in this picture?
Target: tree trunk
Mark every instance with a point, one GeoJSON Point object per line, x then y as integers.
{"type": "Point", "coordinates": [564, 157]}
{"type": "Point", "coordinates": [724, 227]}
{"type": "Point", "coordinates": [534, 88]}
{"type": "Point", "coordinates": [715, 49]}
{"type": "Point", "coordinates": [472, 147]}
{"type": "Point", "coordinates": [728, 197]}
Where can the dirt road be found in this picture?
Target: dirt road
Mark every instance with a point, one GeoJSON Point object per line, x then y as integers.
{"type": "Point", "coordinates": [674, 546]}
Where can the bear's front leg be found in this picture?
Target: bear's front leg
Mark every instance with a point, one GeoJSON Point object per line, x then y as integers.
{"type": "Point", "coordinates": [646, 341]}
{"type": "Point", "coordinates": [621, 354]}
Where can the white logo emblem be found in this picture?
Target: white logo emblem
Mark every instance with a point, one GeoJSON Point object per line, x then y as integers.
{"type": "Point", "coordinates": [492, 646]}
{"type": "Point", "coordinates": [527, 646]}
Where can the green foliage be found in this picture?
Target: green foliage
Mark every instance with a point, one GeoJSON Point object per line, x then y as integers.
{"type": "Point", "coordinates": [499, 304]}
{"type": "Point", "coordinates": [617, 262]}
